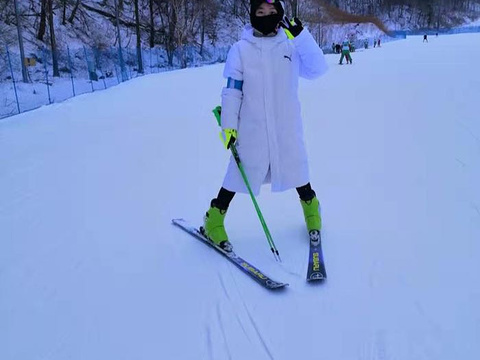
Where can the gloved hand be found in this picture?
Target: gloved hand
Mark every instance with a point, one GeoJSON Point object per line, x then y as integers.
{"type": "Point", "coordinates": [228, 136]}
{"type": "Point", "coordinates": [293, 27]}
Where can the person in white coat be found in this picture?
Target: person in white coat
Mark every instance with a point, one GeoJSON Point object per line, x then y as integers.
{"type": "Point", "coordinates": [261, 113]}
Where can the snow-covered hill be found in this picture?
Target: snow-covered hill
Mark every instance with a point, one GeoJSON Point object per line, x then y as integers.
{"type": "Point", "coordinates": [91, 267]}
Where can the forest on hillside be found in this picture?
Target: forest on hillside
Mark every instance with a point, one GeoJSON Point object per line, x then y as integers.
{"type": "Point", "coordinates": [200, 24]}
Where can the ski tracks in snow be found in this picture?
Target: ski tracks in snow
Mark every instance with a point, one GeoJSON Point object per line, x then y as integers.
{"type": "Point", "coordinates": [469, 131]}
{"type": "Point", "coordinates": [259, 334]}
{"type": "Point", "coordinates": [252, 320]}
{"type": "Point", "coordinates": [230, 321]}
{"type": "Point", "coordinates": [208, 334]}
{"type": "Point", "coordinates": [475, 207]}
{"type": "Point", "coordinates": [376, 348]}
{"type": "Point", "coordinates": [222, 328]}
{"type": "Point", "coordinates": [239, 321]}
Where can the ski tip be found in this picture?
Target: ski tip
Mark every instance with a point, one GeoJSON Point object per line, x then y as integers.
{"type": "Point", "coordinates": [178, 221]}
{"type": "Point", "coordinates": [273, 285]}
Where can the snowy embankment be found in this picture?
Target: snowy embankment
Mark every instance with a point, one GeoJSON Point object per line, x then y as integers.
{"type": "Point", "coordinates": [91, 268]}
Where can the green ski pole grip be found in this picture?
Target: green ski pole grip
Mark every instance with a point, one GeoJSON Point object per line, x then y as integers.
{"type": "Point", "coordinates": [218, 114]}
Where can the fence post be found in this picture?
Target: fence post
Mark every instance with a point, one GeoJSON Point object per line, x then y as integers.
{"type": "Point", "coordinates": [20, 43]}
{"type": "Point", "coordinates": [13, 79]}
{"type": "Point", "coordinates": [88, 68]}
{"type": "Point", "coordinates": [71, 70]}
{"type": "Point", "coordinates": [150, 53]}
{"type": "Point", "coordinates": [129, 67]}
{"type": "Point", "coordinates": [115, 66]}
{"type": "Point", "coordinates": [122, 65]}
{"type": "Point", "coordinates": [119, 39]}
{"type": "Point", "coordinates": [46, 74]}
{"type": "Point", "coordinates": [96, 57]}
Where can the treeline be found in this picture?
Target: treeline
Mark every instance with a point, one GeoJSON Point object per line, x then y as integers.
{"type": "Point", "coordinates": [106, 23]}
{"type": "Point", "coordinates": [173, 24]}
{"type": "Point", "coordinates": [375, 6]}
{"type": "Point", "coordinates": [426, 13]}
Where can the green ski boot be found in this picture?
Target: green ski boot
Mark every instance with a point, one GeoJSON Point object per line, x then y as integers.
{"type": "Point", "coordinates": [311, 211]}
{"type": "Point", "coordinates": [214, 229]}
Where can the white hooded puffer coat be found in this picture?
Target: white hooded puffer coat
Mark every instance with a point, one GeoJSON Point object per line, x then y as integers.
{"type": "Point", "coordinates": [266, 113]}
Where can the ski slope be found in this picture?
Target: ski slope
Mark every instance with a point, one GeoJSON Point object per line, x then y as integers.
{"type": "Point", "coordinates": [91, 267]}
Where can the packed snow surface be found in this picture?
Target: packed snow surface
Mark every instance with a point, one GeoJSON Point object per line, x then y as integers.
{"type": "Point", "coordinates": [92, 269]}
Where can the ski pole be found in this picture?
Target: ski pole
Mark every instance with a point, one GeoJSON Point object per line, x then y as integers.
{"type": "Point", "coordinates": [217, 112]}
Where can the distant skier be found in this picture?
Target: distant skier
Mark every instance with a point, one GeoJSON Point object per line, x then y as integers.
{"type": "Point", "coordinates": [345, 52]}
{"type": "Point", "coordinates": [378, 44]}
{"type": "Point", "coordinates": [260, 108]}
{"type": "Point", "coordinates": [425, 38]}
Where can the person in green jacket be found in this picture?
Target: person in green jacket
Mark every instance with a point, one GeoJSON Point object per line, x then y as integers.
{"type": "Point", "coordinates": [346, 52]}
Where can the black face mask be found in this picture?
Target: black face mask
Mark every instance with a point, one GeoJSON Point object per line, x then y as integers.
{"type": "Point", "coordinates": [266, 24]}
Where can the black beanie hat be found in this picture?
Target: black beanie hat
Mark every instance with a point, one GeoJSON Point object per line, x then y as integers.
{"type": "Point", "coordinates": [254, 5]}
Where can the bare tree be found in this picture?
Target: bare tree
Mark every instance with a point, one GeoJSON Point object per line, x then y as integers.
{"type": "Point", "coordinates": [152, 24]}
{"type": "Point", "coordinates": [334, 15]}
{"type": "Point", "coordinates": [209, 15]}
{"type": "Point", "coordinates": [179, 19]}
{"type": "Point", "coordinates": [20, 43]}
{"type": "Point", "coordinates": [53, 41]}
{"type": "Point", "coordinates": [64, 11]}
{"type": "Point", "coordinates": [43, 20]}
{"type": "Point", "coordinates": [139, 38]}
{"type": "Point", "coordinates": [74, 11]}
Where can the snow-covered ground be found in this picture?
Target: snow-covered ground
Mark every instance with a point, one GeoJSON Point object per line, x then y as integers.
{"type": "Point", "coordinates": [91, 267]}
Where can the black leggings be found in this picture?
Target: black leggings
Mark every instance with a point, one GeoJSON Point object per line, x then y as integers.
{"type": "Point", "coordinates": [224, 197]}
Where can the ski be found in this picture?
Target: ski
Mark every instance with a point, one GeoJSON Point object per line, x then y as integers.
{"type": "Point", "coordinates": [316, 265]}
{"type": "Point", "coordinates": [242, 264]}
